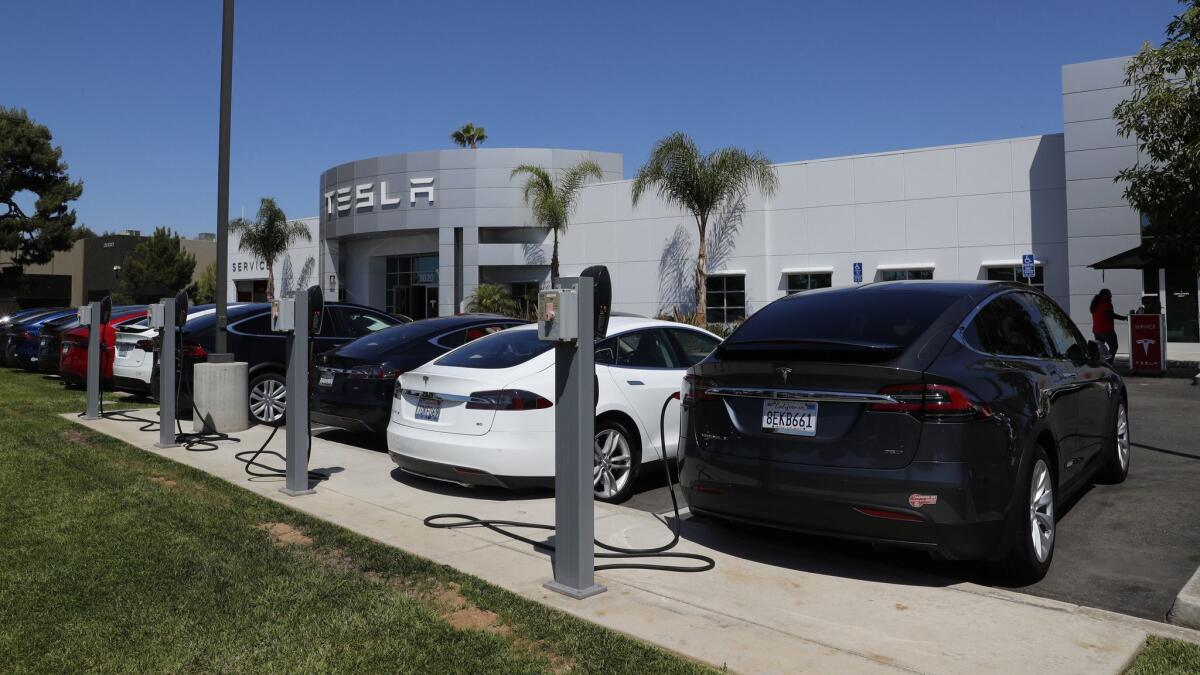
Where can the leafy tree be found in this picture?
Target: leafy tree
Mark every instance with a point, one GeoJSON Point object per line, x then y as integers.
{"type": "Point", "coordinates": [1163, 114]}
{"type": "Point", "coordinates": [701, 184]}
{"type": "Point", "coordinates": [31, 165]}
{"type": "Point", "coordinates": [205, 288]}
{"type": "Point", "coordinates": [468, 136]}
{"type": "Point", "coordinates": [156, 267]}
{"type": "Point", "coordinates": [553, 200]}
{"type": "Point", "coordinates": [269, 236]}
{"type": "Point", "coordinates": [492, 299]}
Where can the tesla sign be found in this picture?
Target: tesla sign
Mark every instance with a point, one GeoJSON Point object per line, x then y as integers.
{"type": "Point", "coordinates": [1147, 343]}
{"type": "Point", "coordinates": [366, 196]}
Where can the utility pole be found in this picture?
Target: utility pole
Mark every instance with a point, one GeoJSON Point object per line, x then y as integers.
{"type": "Point", "coordinates": [223, 184]}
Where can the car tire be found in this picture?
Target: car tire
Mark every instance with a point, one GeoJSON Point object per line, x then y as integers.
{"type": "Point", "coordinates": [268, 399]}
{"type": "Point", "coordinates": [616, 460]}
{"type": "Point", "coordinates": [1118, 448]}
{"type": "Point", "coordinates": [1033, 535]}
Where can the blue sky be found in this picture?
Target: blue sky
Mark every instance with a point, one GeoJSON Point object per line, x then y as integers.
{"type": "Point", "coordinates": [130, 89]}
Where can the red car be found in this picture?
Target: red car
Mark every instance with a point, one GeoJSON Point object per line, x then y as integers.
{"type": "Point", "coordinates": [73, 358]}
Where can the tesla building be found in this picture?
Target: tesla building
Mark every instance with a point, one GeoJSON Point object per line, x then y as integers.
{"type": "Point", "coordinates": [416, 233]}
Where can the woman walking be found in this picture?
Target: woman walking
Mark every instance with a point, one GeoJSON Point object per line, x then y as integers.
{"type": "Point", "coordinates": [1102, 321]}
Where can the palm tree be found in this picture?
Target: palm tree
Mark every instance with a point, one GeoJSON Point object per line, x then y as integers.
{"type": "Point", "coordinates": [268, 236]}
{"type": "Point", "coordinates": [468, 135]}
{"type": "Point", "coordinates": [492, 299]}
{"type": "Point", "coordinates": [553, 200]}
{"type": "Point", "coordinates": [701, 184]}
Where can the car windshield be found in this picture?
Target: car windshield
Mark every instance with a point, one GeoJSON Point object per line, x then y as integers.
{"type": "Point", "coordinates": [879, 322]}
{"type": "Point", "coordinates": [502, 350]}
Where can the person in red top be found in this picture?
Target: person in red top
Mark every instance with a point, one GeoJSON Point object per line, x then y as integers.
{"type": "Point", "coordinates": [1102, 321]}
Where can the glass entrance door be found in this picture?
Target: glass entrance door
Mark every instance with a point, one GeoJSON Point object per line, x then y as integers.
{"type": "Point", "coordinates": [410, 285]}
{"type": "Point", "coordinates": [1183, 312]}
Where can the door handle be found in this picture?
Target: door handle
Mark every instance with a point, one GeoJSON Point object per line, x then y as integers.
{"type": "Point", "coordinates": [636, 383]}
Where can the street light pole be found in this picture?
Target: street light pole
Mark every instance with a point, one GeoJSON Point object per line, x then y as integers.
{"type": "Point", "coordinates": [223, 181]}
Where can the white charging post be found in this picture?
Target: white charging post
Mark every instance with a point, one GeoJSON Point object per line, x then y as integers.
{"type": "Point", "coordinates": [565, 317]}
{"type": "Point", "coordinates": [89, 315]}
{"type": "Point", "coordinates": [299, 318]}
{"type": "Point", "coordinates": [162, 316]}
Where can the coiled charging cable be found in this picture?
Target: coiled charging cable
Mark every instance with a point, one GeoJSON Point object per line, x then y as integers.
{"type": "Point", "coordinates": [609, 552]}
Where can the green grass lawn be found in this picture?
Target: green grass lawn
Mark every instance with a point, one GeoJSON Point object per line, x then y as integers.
{"type": "Point", "coordinates": [115, 559]}
{"type": "Point", "coordinates": [1167, 657]}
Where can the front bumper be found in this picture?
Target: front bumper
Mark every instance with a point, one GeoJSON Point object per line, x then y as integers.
{"type": "Point", "coordinates": [866, 504]}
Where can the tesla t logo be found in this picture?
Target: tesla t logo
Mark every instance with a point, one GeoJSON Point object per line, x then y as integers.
{"type": "Point", "coordinates": [784, 371]}
{"type": "Point", "coordinates": [1145, 343]}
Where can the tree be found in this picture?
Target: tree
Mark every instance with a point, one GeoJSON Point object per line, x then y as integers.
{"type": "Point", "coordinates": [468, 136]}
{"type": "Point", "coordinates": [157, 267]}
{"type": "Point", "coordinates": [269, 236]}
{"type": "Point", "coordinates": [553, 200]}
{"type": "Point", "coordinates": [701, 184]}
{"type": "Point", "coordinates": [205, 290]}
{"type": "Point", "coordinates": [31, 166]}
{"type": "Point", "coordinates": [1163, 114]}
{"type": "Point", "coordinates": [492, 299]}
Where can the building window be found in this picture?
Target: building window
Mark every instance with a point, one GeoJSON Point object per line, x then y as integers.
{"type": "Point", "coordinates": [807, 281]}
{"type": "Point", "coordinates": [905, 275]}
{"type": "Point", "coordinates": [410, 285]}
{"type": "Point", "coordinates": [526, 295]}
{"type": "Point", "coordinates": [1014, 274]}
{"type": "Point", "coordinates": [726, 298]}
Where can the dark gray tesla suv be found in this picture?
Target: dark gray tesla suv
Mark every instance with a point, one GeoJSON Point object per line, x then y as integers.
{"type": "Point", "coordinates": [952, 416]}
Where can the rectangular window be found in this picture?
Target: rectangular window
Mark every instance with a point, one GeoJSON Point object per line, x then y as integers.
{"type": "Point", "coordinates": [807, 281]}
{"type": "Point", "coordinates": [1014, 274]}
{"type": "Point", "coordinates": [726, 298]}
{"type": "Point", "coordinates": [905, 275]}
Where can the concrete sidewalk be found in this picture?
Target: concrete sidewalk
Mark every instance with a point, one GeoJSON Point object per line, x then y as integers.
{"type": "Point", "coordinates": [760, 610]}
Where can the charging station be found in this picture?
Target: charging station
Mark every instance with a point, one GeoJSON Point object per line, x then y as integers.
{"type": "Point", "coordinates": [94, 315]}
{"type": "Point", "coordinates": [300, 317]}
{"type": "Point", "coordinates": [168, 316]}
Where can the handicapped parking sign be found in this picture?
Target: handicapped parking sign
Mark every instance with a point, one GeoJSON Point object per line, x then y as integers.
{"type": "Point", "coordinates": [1028, 266]}
{"type": "Point", "coordinates": [858, 273]}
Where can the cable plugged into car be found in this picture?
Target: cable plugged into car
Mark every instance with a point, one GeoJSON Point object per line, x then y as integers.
{"type": "Point", "coordinates": [572, 316]}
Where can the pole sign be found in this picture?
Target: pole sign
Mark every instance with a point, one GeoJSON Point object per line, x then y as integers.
{"type": "Point", "coordinates": [858, 273]}
{"type": "Point", "coordinates": [1147, 343]}
{"type": "Point", "coordinates": [1028, 266]}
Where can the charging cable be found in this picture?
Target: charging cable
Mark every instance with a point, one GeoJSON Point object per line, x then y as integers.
{"type": "Point", "coordinates": [457, 520]}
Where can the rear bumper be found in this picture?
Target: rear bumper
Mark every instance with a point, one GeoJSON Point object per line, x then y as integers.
{"type": "Point", "coordinates": [497, 458]}
{"type": "Point", "coordinates": [361, 413]}
{"type": "Point", "coordinates": [131, 384]}
{"type": "Point", "coordinates": [866, 504]}
{"type": "Point", "coordinates": [347, 422]}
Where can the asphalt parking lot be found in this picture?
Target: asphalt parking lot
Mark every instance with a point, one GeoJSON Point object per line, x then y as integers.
{"type": "Point", "coordinates": [1128, 548]}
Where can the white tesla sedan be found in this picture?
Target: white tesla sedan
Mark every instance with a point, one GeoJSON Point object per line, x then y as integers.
{"type": "Point", "coordinates": [483, 413]}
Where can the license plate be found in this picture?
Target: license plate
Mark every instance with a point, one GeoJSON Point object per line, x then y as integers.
{"type": "Point", "coordinates": [326, 379]}
{"type": "Point", "coordinates": [797, 418]}
{"type": "Point", "coordinates": [428, 409]}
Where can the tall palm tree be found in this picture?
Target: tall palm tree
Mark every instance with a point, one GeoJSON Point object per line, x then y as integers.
{"type": "Point", "coordinates": [701, 184]}
{"type": "Point", "coordinates": [553, 199]}
{"type": "Point", "coordinates": [468, 135]}
{"type": "Point", "coordinates": [268, 236]}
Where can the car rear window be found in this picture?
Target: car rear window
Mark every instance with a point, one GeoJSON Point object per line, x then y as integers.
{"type": "Point", "coordinates": [500, 350]}
{"type": "Point", "coordinates": [822, 324]}
{"type": "Point", "coordinates": [387, 340]}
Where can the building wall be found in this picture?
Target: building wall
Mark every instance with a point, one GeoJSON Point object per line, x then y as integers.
{"type": "Point", "coordinates": [1100, 223]}
{"type": "Point", "coordinates": [954, 206]}
{"type": "Point", "coordinates": [300, 267]}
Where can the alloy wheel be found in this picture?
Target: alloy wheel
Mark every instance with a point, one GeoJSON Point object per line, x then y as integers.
{"type": "Point", "coordinates": [1041, 511]}
{"type": "Point", "coordinates": [613, 462]}
{"type": "Point", "coordinates": [268, 400]}
{"type": "Point", "coordinates": [1122, 437]}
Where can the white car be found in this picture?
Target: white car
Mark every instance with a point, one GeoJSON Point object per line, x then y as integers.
{"type": "Point", "coordinates": [133, 362]}
{"type": "Point", "coordinates": [483, 413]}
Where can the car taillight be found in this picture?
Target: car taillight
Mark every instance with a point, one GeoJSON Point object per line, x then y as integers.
{"type": "Point", "coordinates": [145, 345]}
{"type": "Point", "coordinates": [193, 351]}
{"type": "Point", "coordinates": [507, 399]}
{"type": "Point", "coordinates": [695, 389]}
{"type": "Point", "coordinates": [935, 402]}
{"type": "Point", "coordinates": [372, 373]}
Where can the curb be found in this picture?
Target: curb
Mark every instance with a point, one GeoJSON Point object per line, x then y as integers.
{"type": "Point", "coordinates": [1186, 610]}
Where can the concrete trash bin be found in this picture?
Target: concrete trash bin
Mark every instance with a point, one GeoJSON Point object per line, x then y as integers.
{"type": "Point", "coordinates": [220, 393]}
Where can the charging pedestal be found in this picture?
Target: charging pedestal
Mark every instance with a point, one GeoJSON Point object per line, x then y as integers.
{"type": "Point", "coordinates": [90, 315]}
{"type": "Point", "coordinates": [565, 317]}
{"type": "Point", "coordinates": [300, 325]}
{"type": "Point", "coordinates": [162, 317]}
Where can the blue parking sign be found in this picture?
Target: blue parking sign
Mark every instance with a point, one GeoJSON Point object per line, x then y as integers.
{"type": "Point", "coordinates": [858, 273]}
{"type": "Point", "coordinates": [1028, 266]}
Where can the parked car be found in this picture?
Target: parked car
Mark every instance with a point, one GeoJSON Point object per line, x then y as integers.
{"type": "Point", "coordinates": [73, 353]}
{"type": "Point", "coordinates": [51, 341]}
{"type": "Point", "coordinates": [482, 414]}
{"type": "Point", "coordinates": [8, 328]}
{"type": "Point", "coordinates": [23, 338]}
{"type": "Point", "coordinates": [950, 416]}
{"type": "Point", "coordinates": [251, 339]}
{"type": "Point", "coordinates": [353, 385]}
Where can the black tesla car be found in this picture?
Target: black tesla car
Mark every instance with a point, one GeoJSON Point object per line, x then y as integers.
{"type": "Point", "coordinates": [952, 416]}
{"type": "Point", "coordinates": [353, 386]}
{"type": "Point", "coordinates": [250, 339]}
